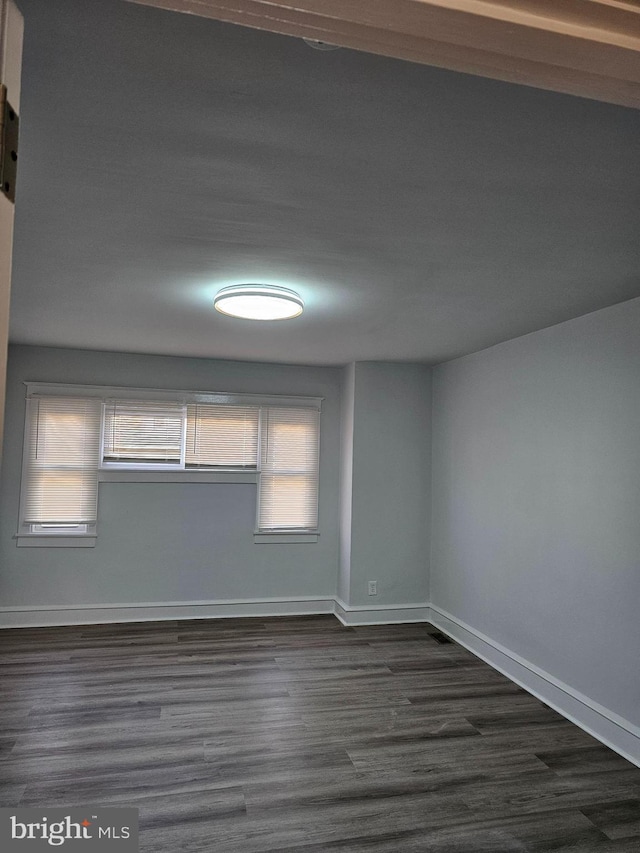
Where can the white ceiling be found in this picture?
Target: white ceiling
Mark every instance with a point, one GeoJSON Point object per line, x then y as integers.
{"type": "Point", "coordinates": [421, 213]}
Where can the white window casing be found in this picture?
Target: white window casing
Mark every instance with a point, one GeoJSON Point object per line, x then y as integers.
{"type": "Point", "coordinates": [289, 468]}
{"type": "Point", "coordinates": [60, 466]}
{"type": "Point", "coordinates": [77, 436]}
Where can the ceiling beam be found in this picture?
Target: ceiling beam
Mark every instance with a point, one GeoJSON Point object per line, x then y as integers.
{"type": "Point", "coordinates": [589, 48]}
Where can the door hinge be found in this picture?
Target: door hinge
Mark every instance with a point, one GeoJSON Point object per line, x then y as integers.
{"type": "Point", "coordinates": [9, 126]}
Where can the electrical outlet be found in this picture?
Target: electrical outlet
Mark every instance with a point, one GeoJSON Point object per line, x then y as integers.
{"type": "Point", "coordinates": [373, 587]}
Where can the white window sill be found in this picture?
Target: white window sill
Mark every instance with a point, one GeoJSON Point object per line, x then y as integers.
{"type": "Point", "coordinates": [282, 538]}
{"type": "Point", "coordinates": [122, 475]}
{"type": "Point", "coordinates": [38, 540]}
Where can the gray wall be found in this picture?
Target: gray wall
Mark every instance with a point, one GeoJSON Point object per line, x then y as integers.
{"type": "Point", "coordinates": [390, 483]}
{"type": "Point", "coordinates": [168, 542]}
{"type": "Point", "coordinates": [536, 510]}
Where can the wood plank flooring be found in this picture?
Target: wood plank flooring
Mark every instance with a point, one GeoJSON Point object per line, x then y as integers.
{"type": "Point", "coordinates": [297, 734]}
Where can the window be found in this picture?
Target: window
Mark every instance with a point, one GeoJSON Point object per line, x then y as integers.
{"type": "Point", "coordinates": [222, 436]}
{"type": "Point", "coordinates": [289, 469]}
{"type": "Point", "coordinates": [62, 456]}
{"type": "Point", "coordinates": [73, 441]}
{"type": "Point", "coordinates": [142, 431]}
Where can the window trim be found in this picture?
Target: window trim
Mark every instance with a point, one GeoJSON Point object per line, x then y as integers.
{"type": "Point", "coordinates": [269, 533]}
{"type": "Point", "coordinates": [182, 475]}
{"type": "Point", "coordinates": [153, 472]}
{"type": "Point", "coordinates": [41, 540]}
{"type": "Point", "coordinates": [105, 392]}
{"type": "Point", "coordinates": [27, 536]}
{"type": "Point", "coordinates": [282, 537]}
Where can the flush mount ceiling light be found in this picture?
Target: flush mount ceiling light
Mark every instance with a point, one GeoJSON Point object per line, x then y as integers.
{"type": "Point", "coordinates": [258, 302]}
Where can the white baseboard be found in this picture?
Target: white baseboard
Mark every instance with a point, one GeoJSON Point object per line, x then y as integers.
{"type": "Point", "coordinates": [606, 726]}
{"type": "Point", "coordinates": [92, 614]}
{"type": "Point", "coordinates": [383, 614]}
{"type": "Point", "coordinates": [95, 614]}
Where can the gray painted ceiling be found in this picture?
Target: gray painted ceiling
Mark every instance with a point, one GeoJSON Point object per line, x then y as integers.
{"type": "Point", "coordinates": [421, 213]}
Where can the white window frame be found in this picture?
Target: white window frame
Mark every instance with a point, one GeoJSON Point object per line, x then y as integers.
{"type": "Point", "coordinates": [281, 535]}
{"type": "Point", "coordinates": [38, 535]}
{"type": "Point", "coordinates": [48, 535]}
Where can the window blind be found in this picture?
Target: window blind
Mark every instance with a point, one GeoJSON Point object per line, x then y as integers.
{"type": "Point", "coordinates": [288, 498]}
{"type": "Point", "coordinates": [143, 431]}
{"type": "Point", "coordinates": [62, 462]}
{"type": "Point", "coordinates": [221, 436]}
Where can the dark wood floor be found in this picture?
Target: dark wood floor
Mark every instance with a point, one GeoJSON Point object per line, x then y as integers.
{"type": "Point", "coordinates": [297, 734]}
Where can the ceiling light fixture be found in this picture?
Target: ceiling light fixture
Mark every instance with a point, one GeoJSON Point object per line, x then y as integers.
{"type": "Point", "coordinates": [258, 302]}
